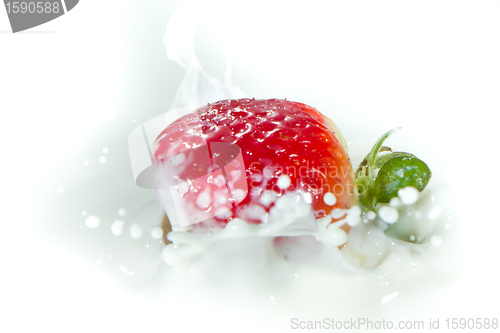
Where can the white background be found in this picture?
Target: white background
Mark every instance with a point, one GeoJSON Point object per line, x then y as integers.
{"type": "Point", "coordinates": [430, 66]}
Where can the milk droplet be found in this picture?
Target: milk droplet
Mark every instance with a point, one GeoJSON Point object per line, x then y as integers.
{"type": "Point", "coordinates": [122, 212]}
{"type": "Point", "coordinates": [92, 222]}
{"type": "Point", "coordinates": [60, 189]}
{"type": "Point", "coordinates": [105, 150]}
{"type": "Point", "coordinates": [284, 182]}
{"type": "Point", "coordinates": [388, 214]}
{"type": "Point", "coordinates": [408, 195]}
{"type": "Point", "coordinates": [135, 231]}
{"type": "Point", "coordinates": [84, 213]}
{"type": "Point", "coordinates": [117, 227]}
{"type": "Point", "coordinates": [394, 202]}
{"type": "Point", "coordinates": [102, 159]}
{"type": "Point", "coordinates": [371, 215]}
{"type": "Point", "coordinates": [157, 233]}
{"type": "Point", "coordinates": [86, 163]}
{"type": "Point", "coordinates": [329, 199]}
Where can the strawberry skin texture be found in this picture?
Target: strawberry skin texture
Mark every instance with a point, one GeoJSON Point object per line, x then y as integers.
{"type": "Point", "coordinates": [276, 137]}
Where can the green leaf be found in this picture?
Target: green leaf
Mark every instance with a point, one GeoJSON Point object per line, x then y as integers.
{"type": "Point", "coordinates": [376, 148]}
{"type": "Point", "coordinates": [398, 171]}
{"type": "Point", "coordinates": [365, 179]}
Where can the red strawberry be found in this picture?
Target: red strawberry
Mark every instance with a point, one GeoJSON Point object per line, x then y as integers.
{"type": "Point", "coordinates": [286, 147]}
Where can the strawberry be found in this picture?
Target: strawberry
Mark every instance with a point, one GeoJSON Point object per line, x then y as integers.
{"type": "Point", "coordinates": [282, 147]}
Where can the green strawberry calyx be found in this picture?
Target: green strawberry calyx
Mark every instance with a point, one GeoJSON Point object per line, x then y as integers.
{"type": "Point", "coordinates": [379, 177]}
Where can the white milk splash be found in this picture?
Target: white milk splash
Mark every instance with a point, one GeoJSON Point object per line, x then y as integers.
{"type": "Point", "coordinates": [197, 87]}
